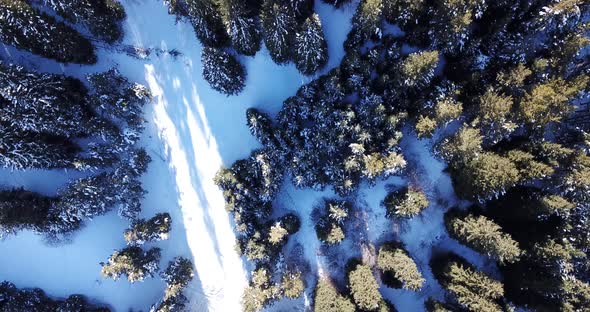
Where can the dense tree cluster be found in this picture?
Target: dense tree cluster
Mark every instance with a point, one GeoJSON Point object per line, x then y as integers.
{"type": "Point", "coordinates": [497, 89]}
{"type": "Point", "coordinates": [133, 262]}
{"type": "Point", "coordinates": [154, 229]}
{"type": "Point", "coordinates": [290, 30]}
{"type": "Point", "coordinates": [330, 226]}
{"type": "Point", "coordinates": [13, 299]}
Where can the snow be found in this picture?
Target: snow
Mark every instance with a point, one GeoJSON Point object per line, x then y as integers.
{"type": "Point", "coordinates": [192, 131]}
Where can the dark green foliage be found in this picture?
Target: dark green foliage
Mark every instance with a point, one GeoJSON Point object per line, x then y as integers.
{"type": "Point", "coordinates": [260, 292]}
{"type": "Point", "coordinates": [311, 50]}
{"type": "Point", "coordinates": [177, 276]}
{"type": "Point", "coordinates": [366, 23]}
{"type": "Point", "coordinates": [29, 29]}
{"type": "Point", "coordinates": [242, 24]}
{"type": "Point", "coordinates": [222, 71]}
{"type": "Point", "coordinates": [279, 26]}
{"type": "Point", "coordinates": [472, 289]}
{"type": "Point", "coordinates": [418, 68]}
{"type": "Point", "coordinates": [327, 299]}
{"type": "Point", "coordinates": [206, 19]}
{"type": "Point", "coordinates": [483, 235]}
{"type": "Point", "coordinates": [405, 203]}
{"type": "Point", "coordinates": [364, 288]}
{"type": "Point", "coordinates": [103, 17]}
{"type": "Point", "coordinates": [133, 262]}
{"type": "Point", "coordinates": [154, 229]}
{"type": "Point", "coordinates": [396, 264]}
{"type": "Point", "coordinates": [329, 227]}
{"type": "Point", "coordinates": [20, 209]}
{"type": "Point", "coordinates": [13, 299]}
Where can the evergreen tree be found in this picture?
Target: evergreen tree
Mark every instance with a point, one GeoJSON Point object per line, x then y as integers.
{"type": "Point", "coordinates": [329, 227]}
{"type": "Point", "coordinates": [176, 276]}
{"type": "Point", "coordinates": [447, 110]}
{"type": "Point", "coordinates": [242, 24]}
{"type": "Point", "coordinates": [103, 17]}
{"type": "Point", "coordinates": [464, 145]}
{"type": "Point", "coordinates": [495, 120]}
{"type": "Point", "coordinates": [418, 68]}
{"type": "Point", "coordinates": [485, 236]}
{"type": "Point", "coordinates": [425, 126]}
{"type": "Point", "coordinates": [24, 150]}
{"type": "Point", "coordinates": [403, 12]}
{"type": "Point", "coordinates": [364, 288]}
{"type": "Point", "coordinates": [450, 23]}
{"type": "Point", "coordinates": [472, 289]}
{"type": "Point", "coordinates": [20, 209]}
{"type": "Point", "coordinates": [327, 299]}
{"type": "Point", "coordinates": [154, 229]}
{"type": "Point", "coordinates": [29, 29]}
{"type": "Point", "coordinates": [279, 27]}
{"type": "Point", "coordinates": [485, 176]}
{"type": "Point", "coordinates": [311, 50]}
{"type": "Point", "coordinates": [395, 261]}
{"type": "Point", "coordinates": [35, 299]}
{"type": "Point", "coordinates": [260, 292]}
{"type": "Point", "coordinates": [133, 262]}
{"type": "Point", "coordinates": [222, 71]}
{"type": "Point", "coordinates": [206, 20]}
{"type": "Point", "coordinates": [42, 103]}
{"type": "Point", "coordinates": [550, 101]}
{"type": "Point", "coordinates": [366, 23]}
{"type": "Point", "coordinates": [292, 285]}
{"type": "Point", "coordinates": [405, 203]}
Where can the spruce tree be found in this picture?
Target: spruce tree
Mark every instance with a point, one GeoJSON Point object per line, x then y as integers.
{"type": "Point", "coordinates": [260, 292]}
{"type": "Point", "coordinates": [403, 12]}
{"type": "Point", "coordinates": [485, 176]}
{"type": "Point", "coordinates": [327, 299]}
{"type": "Point", "coordinates": [462, 146]}
{"type": "Point", "coordinates": [292, 285]}
{"type": "Point", "coordinates": [39, 33]}
{"type": "Point", "coordinates": [364, 288]}
{"type": "Point", "coordinates": [154, 229]}
{"type": "Point", "coordinates": [206, 20]}
{"type": "Point", "coordinates": [176, 276]}
{"type": "Point", "coordinates": [484, 235]}
{"type": "Point", "coordinates": [22, 209]}
{"type": "Point", "coordinates": [279, 27]}
{"type": "Point", "coordinates": [43, 103]}
{"type": "Point", "coordinates": [103, 17]}
{"type": "Point", "coordinates": [395, 261]}
{"type": "Point", "coordinates": [417, 69]}
{"type": "Point", "coordinates": [311, 50]}
{"type": "Point", "coordinates": [495, 120]}
{"type": "Point", "coordinates": [242, 24]}
{"type": "Point", "coordinates": [133, 262]}
{"type": "Point", "coordinates": [405, 203]}
{"type": "Point", "coordinates": [366, 23]}
{"type": "Point", "coordinates": [222, 71]}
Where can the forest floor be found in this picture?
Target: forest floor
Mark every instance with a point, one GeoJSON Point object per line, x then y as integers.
{"type": "Point", "coordinates": [191, 131]}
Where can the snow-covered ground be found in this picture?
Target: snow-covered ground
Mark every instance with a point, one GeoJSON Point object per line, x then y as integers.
{"type": "Point", "coordinates": [191, 131]}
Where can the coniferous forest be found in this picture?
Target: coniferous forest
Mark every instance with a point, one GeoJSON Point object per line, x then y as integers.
{"type": "Point", "coordinates": [436, 159]}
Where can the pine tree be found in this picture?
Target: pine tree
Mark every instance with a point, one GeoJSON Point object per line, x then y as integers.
{"type": "Point", "coordinates": [364, 288]}
{"type": "Point", "coordinates": [447, 110]}
{"type": "Point", "coordinates": [550, 101]}
{"type": "Point", "coordinates": [133, 262]}
{"type": "Point", "coordinates": [292, 285]}
{"type": "Point", "coordinates": [311, 50]}
{"type": "Point", "coordinates": [450, 23]}
{"type": "Point", "coordinates": [486, 176]}
{"type": "Point", "coordinates": [154, 229]}
{"type": "Point", "coordinates": [395, 261]}
{"type": "Point", "coordinates": [25, 150]}
{"type": "Point", "coordinates": [494, 114]}
{"type": "Point", "coordinates": [103, 17]}
{"type": "Point", "coordinates": [403, 12]}
{"type": "Point", "coordinates": [176, 276]}
{"type": "Point", "coordinates": [366, 23]}
{"type": "Point", "coordinates": [417, 69]}
{"type": "Point", "coordinates": [29, 29]}
{"type": "Point", "coordinates": [279, 27]}
{"type": "Point", "coordinates": [425, 126]}
{"type": "Point", "coordinates": [21, 209]}
{"type": "Point", "coordinates": [43, 103]}
{"type": "Point", "coordinates": [485, 236]}
{"type": "Point", "coordinates": [222, 71]}
{"type": "Point", "coordinates": [462, 146]}
{"type": "Point", "coordinates": [35, 299]}
{"type": "Point", "coordinates": [405, 203]}
{"type": "Point", "coordinates": [242, 24]}
{"type": "Point", "coordinates": [472, 289]}
{"type": "Point", "coordinates": [327, 299]}
{"type": "Point", "coordinates": [206, 20]}
{"type": "Point", "coordinates": [260, 292]}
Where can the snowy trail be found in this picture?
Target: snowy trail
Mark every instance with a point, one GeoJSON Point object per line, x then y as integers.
{"type": "Point", "coordinates": [191, 131]}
